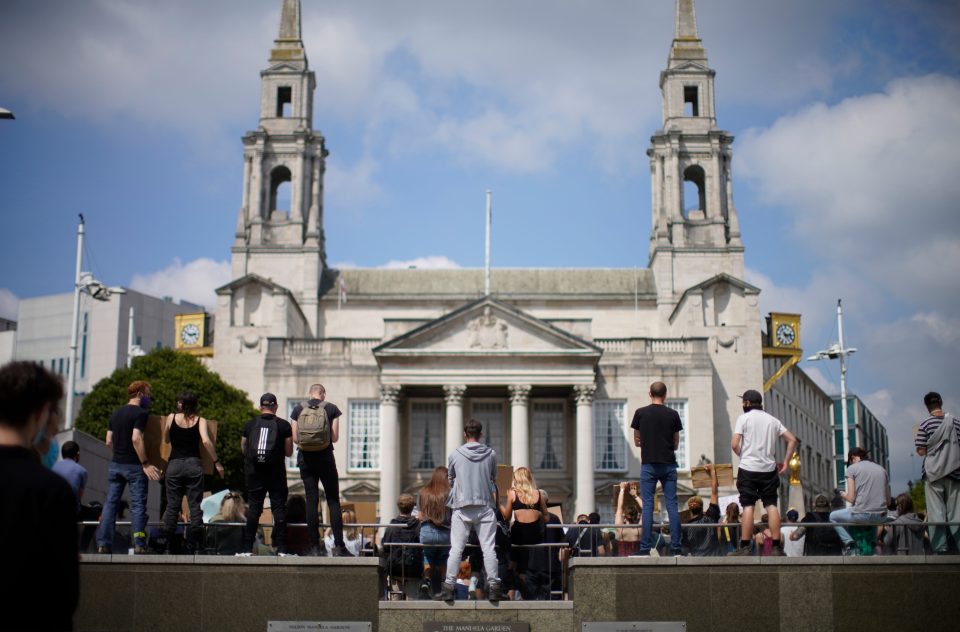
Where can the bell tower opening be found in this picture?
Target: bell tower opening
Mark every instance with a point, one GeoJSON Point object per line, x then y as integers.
{"type": "Point", "coordinates": [691, 101]}
{"type": "Point", "coordinates": [694, 192]}
{"type": "Point", "coordinates": [280, 188]}
{"type": "Point", "coordinates": [284, 102]}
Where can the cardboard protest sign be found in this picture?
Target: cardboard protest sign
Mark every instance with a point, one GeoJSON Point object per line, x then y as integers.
{"type": "Point", "coordinates": [700, 478]}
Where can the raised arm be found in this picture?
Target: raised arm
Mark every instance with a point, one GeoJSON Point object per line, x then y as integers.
{"type": "Point", "coordinates": [714, 485]}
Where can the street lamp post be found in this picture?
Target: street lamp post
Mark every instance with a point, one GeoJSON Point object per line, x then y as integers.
{"type": "Point", "coordinates": [83, 282]}
{"type": "Point", "coordinates": [838, 351]}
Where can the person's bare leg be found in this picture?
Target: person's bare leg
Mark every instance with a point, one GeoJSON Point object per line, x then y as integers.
{"type": "Point", "coordinates": [746, 525]}
{"type": "Point", "coordinates": [773, 520]}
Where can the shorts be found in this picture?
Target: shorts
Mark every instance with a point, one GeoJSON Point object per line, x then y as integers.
{"type": "Point", "coordinates": [754, 486]}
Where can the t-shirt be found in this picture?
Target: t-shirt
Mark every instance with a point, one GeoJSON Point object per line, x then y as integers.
{"type": "Point", "coordinates": [332, 413]}
{"type": "Point", "coordinates": [122, 423]}
{"type": "Point", "coordinates": [702, 541]}
{"type": "Point", "coordinates": [657, 424]}
{"type": "Point", "coordinates": [284, 432]}
{"type": "Point", "coordinates": [870, 486]}
{"type": "Point", "coordinates": [38, 514]}
{"type": "Point", "coordinates": [758, 446]}
{"type": "Point", "coordinates": [74, 473]}
{"type": "Point", "coordinates": [792, 548]}
{"type": "Point", "coordinates": [926, 430]}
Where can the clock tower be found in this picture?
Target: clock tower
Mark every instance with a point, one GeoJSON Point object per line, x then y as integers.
{"type": "Point", "coordinates": [695, 232]}
{"type": "Point", "coordinates": [279, 234]}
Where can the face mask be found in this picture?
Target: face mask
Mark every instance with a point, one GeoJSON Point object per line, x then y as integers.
{"type": "Point", "coordinates": [50, 458]}
{"type": "Point", "coordinates": [145, 402]}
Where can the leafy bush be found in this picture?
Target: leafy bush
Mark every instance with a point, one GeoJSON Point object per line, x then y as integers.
{"type": "Point", "coordinates": [170, 373]}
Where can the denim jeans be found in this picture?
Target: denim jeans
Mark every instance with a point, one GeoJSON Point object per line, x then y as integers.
{"type": "Point", "coordinates": [119, 475]}
{"type": "Point", "coordinates": [666, 475]}
{"type": "Point", "coordinates": [849, 515]}
{"type": "Point", "coordinates": [435, 556]}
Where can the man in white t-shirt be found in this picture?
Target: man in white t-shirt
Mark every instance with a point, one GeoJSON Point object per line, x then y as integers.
{"type": "Point", "coordinates": [758, 478]}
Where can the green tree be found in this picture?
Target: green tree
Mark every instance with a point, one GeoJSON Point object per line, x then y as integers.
{"type": "Point", "coordinates": [170, 373]}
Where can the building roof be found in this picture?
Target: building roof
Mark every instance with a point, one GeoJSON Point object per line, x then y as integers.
{"type": "Point", "coordinates": [543, 283]}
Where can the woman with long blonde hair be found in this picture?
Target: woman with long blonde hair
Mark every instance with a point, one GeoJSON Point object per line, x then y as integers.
{"type": "Point", "coordinates": [527, 504]}
{"type": "Point", "coordinates": [434, 530]}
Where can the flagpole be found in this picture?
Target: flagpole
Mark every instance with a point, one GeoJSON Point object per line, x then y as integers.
{"type": "Point", "coordinates": [486, 284]}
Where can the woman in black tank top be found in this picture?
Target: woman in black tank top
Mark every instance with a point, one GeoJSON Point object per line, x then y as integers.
{"type": "Point", "coordinates": [527, 505]}
{"type": "Point", "coordinates": [185, 431]}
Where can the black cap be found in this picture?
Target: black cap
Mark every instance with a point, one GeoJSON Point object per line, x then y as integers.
{"type": "Point", "coordinates": [268, 400]}
{"type": "Point", "coordinates": [752, 397]}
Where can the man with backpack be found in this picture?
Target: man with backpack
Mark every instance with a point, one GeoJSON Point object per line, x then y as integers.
{"type": "Point", "coordinates": [402, 564]}
{"type": "Point", "coordinates": [316, 427]}
{"type": "Point", "coordinates": [938, 442]}
{"type": "Point", "coordinates": [266, 441]}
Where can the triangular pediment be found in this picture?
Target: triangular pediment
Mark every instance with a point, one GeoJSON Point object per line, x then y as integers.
{"type": "Point", "coordinates": [690, 66]}
{"type": "Point", "coordinates": [251, 279]}
{"type": "Point", "coordinates": [487, 327]}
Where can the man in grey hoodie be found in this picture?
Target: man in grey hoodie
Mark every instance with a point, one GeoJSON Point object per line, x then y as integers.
{"type": "Point", "coordinates": [472, 472]}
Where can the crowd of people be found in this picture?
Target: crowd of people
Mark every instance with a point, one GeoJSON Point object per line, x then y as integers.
{"type": "Point", "coordinates": [457, 538]}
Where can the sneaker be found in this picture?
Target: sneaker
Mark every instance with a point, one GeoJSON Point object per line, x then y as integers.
{"type": "Point", "coordinates": [139, 550]}
{"type": "Point", "coordinates": [247, 554]}
{"type": "Point", "coordinates": [741, 552]}
{"type": "Point", "coordinates": [777, 552]}
{"type": "Point", "coordinates": [425, 590]}
{"type": "Point", "coordinates": [104, 550]}
{"type": "Point", "coordinates": [850, 549]}
{"type": "Point", "coordinates": [317, 551]}
{"type": "Point", "coordinates": [341, 551]}
{"type": "Point", "coordinates": [285, 554]}
{"type": "Point", "coordinates": [495, 591]}
{"type": "Point", "coordinates": [448, 594]}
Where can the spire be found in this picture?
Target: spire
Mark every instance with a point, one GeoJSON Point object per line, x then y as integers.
{"type": "Point", "coordinates": [686, 42]}
{"type": "Point", "coordinates": [289, 45]}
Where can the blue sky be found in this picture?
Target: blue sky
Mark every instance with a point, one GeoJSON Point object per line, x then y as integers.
{"type": "Point", "coordinates": [846, 117]}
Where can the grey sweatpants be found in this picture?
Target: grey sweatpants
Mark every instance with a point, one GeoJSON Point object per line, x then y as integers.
{"type": "Point", "coordinates": [464, 519]}
{"type": "Point", "coordinates": [943, 505]}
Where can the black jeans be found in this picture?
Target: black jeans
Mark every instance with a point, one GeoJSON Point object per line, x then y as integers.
{"type": "Point", "coordinates": [321, 467]}
{"type": "Point", "coordinates": [184, 477]}
{"type": "Point", "coordinates": [261, 482]}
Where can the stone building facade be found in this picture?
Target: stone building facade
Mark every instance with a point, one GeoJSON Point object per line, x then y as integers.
{"type": "Point", "coordinates": [553, 361]}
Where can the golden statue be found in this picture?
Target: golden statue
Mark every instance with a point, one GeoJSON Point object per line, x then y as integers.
{"type": "Point", "coordinates": [794, 464]}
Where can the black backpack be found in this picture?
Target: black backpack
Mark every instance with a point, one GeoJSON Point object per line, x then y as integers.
{"type": "Point", "coordinates": [262, 442]}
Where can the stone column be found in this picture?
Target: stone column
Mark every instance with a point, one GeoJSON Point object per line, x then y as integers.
{"type": "Point", "coordinates": [389, 449]}
{"type": "Point", "coordinates": [585, 502]}
{"type": "Point", "coordinates": [519, 425]}
{"type": "Point", "coordinates": [453, 394]}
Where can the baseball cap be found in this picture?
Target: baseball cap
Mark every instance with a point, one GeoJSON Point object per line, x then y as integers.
{"type": "Point", "coordinates": [752, 396]}
{"type": "Point", "coordinates": [268, 399]}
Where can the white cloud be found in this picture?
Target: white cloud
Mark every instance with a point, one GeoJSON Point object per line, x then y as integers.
{"type": "Point", "coordinates": [829, 386]}
{"type": "Point", "coordinates": [430, 262]}
{"type": "Point", "coordinates": [9, 304]}
{"type": "Point", "coordinates": [870, 185]}
{"type": "Point", "coordinates": [351, 186]}
{"type": "Point", "coordinates": [193, 281]}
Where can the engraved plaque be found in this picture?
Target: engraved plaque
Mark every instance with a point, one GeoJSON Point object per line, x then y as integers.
{"type": "Point", "coordinates": [319, 626]}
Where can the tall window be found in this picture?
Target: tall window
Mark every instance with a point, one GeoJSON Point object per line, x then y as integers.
{"type": "Point", "coordinates": [549, 436]}
{"type": "Point", "coordinates": [363, 421]}
{"type": "Point", "coordinates": [490, 414]}
{"type": "Point", "coordinates": [609, 441]}
{"type": "Point", "coordinates": [426, 435]}
{"type": "Point", "coordinates": [683, 452]}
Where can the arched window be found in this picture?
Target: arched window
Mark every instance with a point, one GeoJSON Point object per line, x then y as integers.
{"type": "Point", "coordinates": [694, 190]}
{"type": "Point", "coordinates": [279, 190]}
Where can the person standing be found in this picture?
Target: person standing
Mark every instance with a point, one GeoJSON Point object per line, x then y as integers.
{"type": "Point", "coordinates": [185, 431]}
{"type": "Point", "coordinates": [266, 440]}
{"type": "Point", "coordinates": [70, 469]}
{"type": "Point", "coordinates": [758, 477]}
{"type": "Point", "coordinates": [472, 470]}
{"type": "Point", "coordinates": [868, 488]}
{"type": "Point", "coordinates": [656, 431]}
{"type": "Point", "coordinates": [316, 427]}
{"type": "Point", "coordinates": [38, 510]}
{"type": "Point", "coordinates": [128, 467]}
{"type": "Point", "coordinates": [941, 469]}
